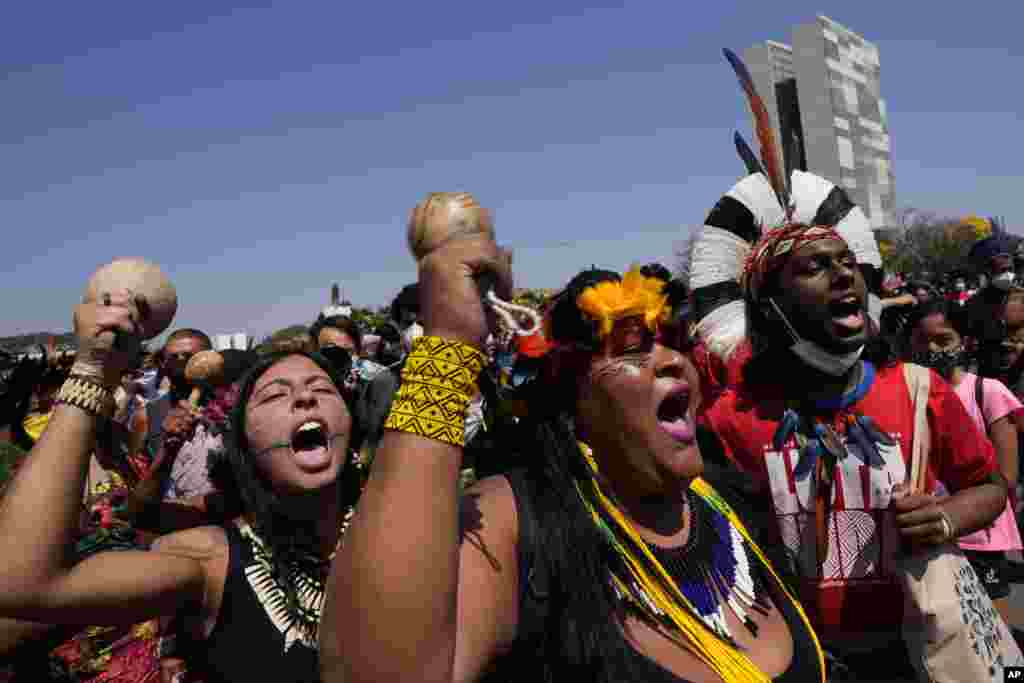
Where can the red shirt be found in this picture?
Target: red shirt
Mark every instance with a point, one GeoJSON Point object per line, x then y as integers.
{"type": "Point", "coordinates": [853, 589]}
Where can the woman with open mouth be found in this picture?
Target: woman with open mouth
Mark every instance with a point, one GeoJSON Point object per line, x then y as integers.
{"type": "Point", "coordinates": [247, 595]}
{"type": "Point", "coordinates": [605, 557]}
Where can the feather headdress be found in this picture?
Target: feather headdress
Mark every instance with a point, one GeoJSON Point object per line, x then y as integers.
{"type": "Point", "coordinates": [760, 202]}
{"type": "Point", "coordinates": [636, 295]}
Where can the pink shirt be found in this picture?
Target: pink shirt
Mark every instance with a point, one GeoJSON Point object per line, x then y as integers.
{"type": "Point", "coordinates": [999, 402]}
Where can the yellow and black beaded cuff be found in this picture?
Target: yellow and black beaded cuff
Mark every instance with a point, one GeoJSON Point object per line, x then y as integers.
{"type": "Point", "coordinates": [438, 382]}
{"type": "Point", "coordinates": [87, 394]}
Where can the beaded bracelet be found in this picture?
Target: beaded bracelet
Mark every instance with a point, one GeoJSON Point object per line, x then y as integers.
{"type": "Point", "coordinates": [88, 394]}
{"type": "Point", "coordinates": [438, 383]}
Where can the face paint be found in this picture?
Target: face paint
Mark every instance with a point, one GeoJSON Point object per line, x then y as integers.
{"type": "Point", "coordinates": [630, 364]}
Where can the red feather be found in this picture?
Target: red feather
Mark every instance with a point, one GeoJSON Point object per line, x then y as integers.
{"type": "Point", "coordinates": [763, 128]}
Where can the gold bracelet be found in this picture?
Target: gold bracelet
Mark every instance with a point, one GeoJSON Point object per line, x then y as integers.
{"type": "Point", "coordinates": [438, 383]}
{"type": "Point", "coordinates": [88, 394]}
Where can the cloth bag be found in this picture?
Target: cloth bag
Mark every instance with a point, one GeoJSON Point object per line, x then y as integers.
{"type": "Point", "coordinates": [952, 632]}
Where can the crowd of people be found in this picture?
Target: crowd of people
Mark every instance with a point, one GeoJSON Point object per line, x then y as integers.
{"type": "Point", "coordinates": [669, 481]}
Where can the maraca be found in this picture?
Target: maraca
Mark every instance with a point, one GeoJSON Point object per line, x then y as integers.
{"type": "Point", "coordinates": [155, 301]}
{"type": "Point", "coordinates": [445, 216]}
{"type": "Point", "coordinates": [206, 367]}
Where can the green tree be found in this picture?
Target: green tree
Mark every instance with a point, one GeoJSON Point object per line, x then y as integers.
{"type": "Point", "coordinates": [281, 335]}
{"type": "Point", "coordinates": [369, 319]}
{"type": "Point", "coordinates": [927, 242]}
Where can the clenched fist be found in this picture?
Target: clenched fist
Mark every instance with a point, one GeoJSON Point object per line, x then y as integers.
{"type": "Point", "coordinates": [108, 337]}
{"type": "Point", "coordinates": [451, 279]}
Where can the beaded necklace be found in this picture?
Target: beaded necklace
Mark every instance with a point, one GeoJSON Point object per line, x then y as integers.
{"type": "Point", "coordinates": [297, 620]}
{"type": "Point", "coordinates": [641, 581]}
{"type": "Point", "coordinates": [713, 569]}
{"type": "Point", "coordinates": [820, 447]}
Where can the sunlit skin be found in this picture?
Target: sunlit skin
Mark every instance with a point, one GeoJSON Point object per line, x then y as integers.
{"type": "Point", "coordinates": [292, 392]}
{"type": "Point", "coordinates": [617, 411]}
{"type": "Point", "coordinates": [816, 277]}
{"type": "Point", "coordinates": [332, 336]}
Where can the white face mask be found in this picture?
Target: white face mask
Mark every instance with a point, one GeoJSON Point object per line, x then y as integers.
{"type": "Point", "coordinates": [1003, 281]}
{"type": "Point", "coordinates": [835, 364]}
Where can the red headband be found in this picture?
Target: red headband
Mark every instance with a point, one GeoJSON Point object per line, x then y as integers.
{"type": "Point", "coordinates": [774, 248]}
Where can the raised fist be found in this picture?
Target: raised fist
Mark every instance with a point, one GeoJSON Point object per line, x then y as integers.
{"type": "Point", "coordinates": [107, 337]}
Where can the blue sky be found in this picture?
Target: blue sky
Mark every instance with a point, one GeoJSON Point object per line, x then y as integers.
{"type": "Point", "coordinates": [261, 151]}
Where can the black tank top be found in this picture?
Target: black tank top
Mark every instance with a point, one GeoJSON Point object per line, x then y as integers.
{"type": "Point", "coordinates": [803, 668]}
{"type": "Point", "coordinates": [245, 645]}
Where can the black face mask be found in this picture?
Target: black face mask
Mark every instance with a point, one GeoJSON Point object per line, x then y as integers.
{"type": "Point", "coordinates": [339, 358]}
{"type": "Point", "coordinates": [389, 353]}
{"type": "Point", "coordinates": [942, 362]}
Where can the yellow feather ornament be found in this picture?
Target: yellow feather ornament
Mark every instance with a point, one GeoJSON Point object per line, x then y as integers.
{"type": "Point", "coordinates": [635, 295]}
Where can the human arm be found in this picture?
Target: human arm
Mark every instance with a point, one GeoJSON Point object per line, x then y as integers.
{"type": "Point", "coordinates": [145, 498]}
{"type": "Point", "coordinates": [964, 460]}
{"type": "Point", "coordinates": [895, 301]}
{"type": "Point", "coordinates": [1003, 433]}
{"type": "Point", "coordinates": [39, 518]}
{"type": "Point", "coordinates": [1001, 409]}
{"type": "Point", "coordinates": [409, 597]}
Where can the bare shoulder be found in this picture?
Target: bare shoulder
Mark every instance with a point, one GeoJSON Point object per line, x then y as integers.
{"type": "Point", "coordinates": [199, 543]}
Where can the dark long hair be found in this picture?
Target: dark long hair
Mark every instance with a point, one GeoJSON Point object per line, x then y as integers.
{"type": "Point", "coordinates": [582, 636]}
{"type": "Point", "coordinates": [233, 470]}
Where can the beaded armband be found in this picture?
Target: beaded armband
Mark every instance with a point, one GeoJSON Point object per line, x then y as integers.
{"type": "Point", "coordinates": [88, 394]}
{"type": "Point", "coordinates": [438, 383]}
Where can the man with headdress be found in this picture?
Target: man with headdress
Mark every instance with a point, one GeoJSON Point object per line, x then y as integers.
{"type": "Point", "coordinates": [823, 420]}
{"type": "Point", "coordinates": [824, 424]}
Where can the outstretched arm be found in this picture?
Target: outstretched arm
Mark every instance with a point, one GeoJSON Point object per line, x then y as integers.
{"type": "Point", "coordinates": [40, 512]}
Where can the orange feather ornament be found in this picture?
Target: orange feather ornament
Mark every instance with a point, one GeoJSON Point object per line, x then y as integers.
{"type": "Point", "coordinates": [763, 128]}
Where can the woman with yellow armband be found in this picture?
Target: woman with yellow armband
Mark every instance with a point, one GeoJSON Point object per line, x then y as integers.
{"type": "Point", "coordinates": [606, 557]}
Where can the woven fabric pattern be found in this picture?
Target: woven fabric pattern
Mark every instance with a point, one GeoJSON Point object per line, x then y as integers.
{"type": "Point", "coordinates": [438, 382]}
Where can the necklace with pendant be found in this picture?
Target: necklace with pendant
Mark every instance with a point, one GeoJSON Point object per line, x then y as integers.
{"type": "Point", "coordinates": [295, 613]}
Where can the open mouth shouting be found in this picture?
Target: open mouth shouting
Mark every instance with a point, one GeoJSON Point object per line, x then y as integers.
{"type": "Point", "coordinates": [674, 416]}
{"type": "Point", "coordinates": [847, 313]}
{"type": "Point", "coordinates": [310, 445]}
